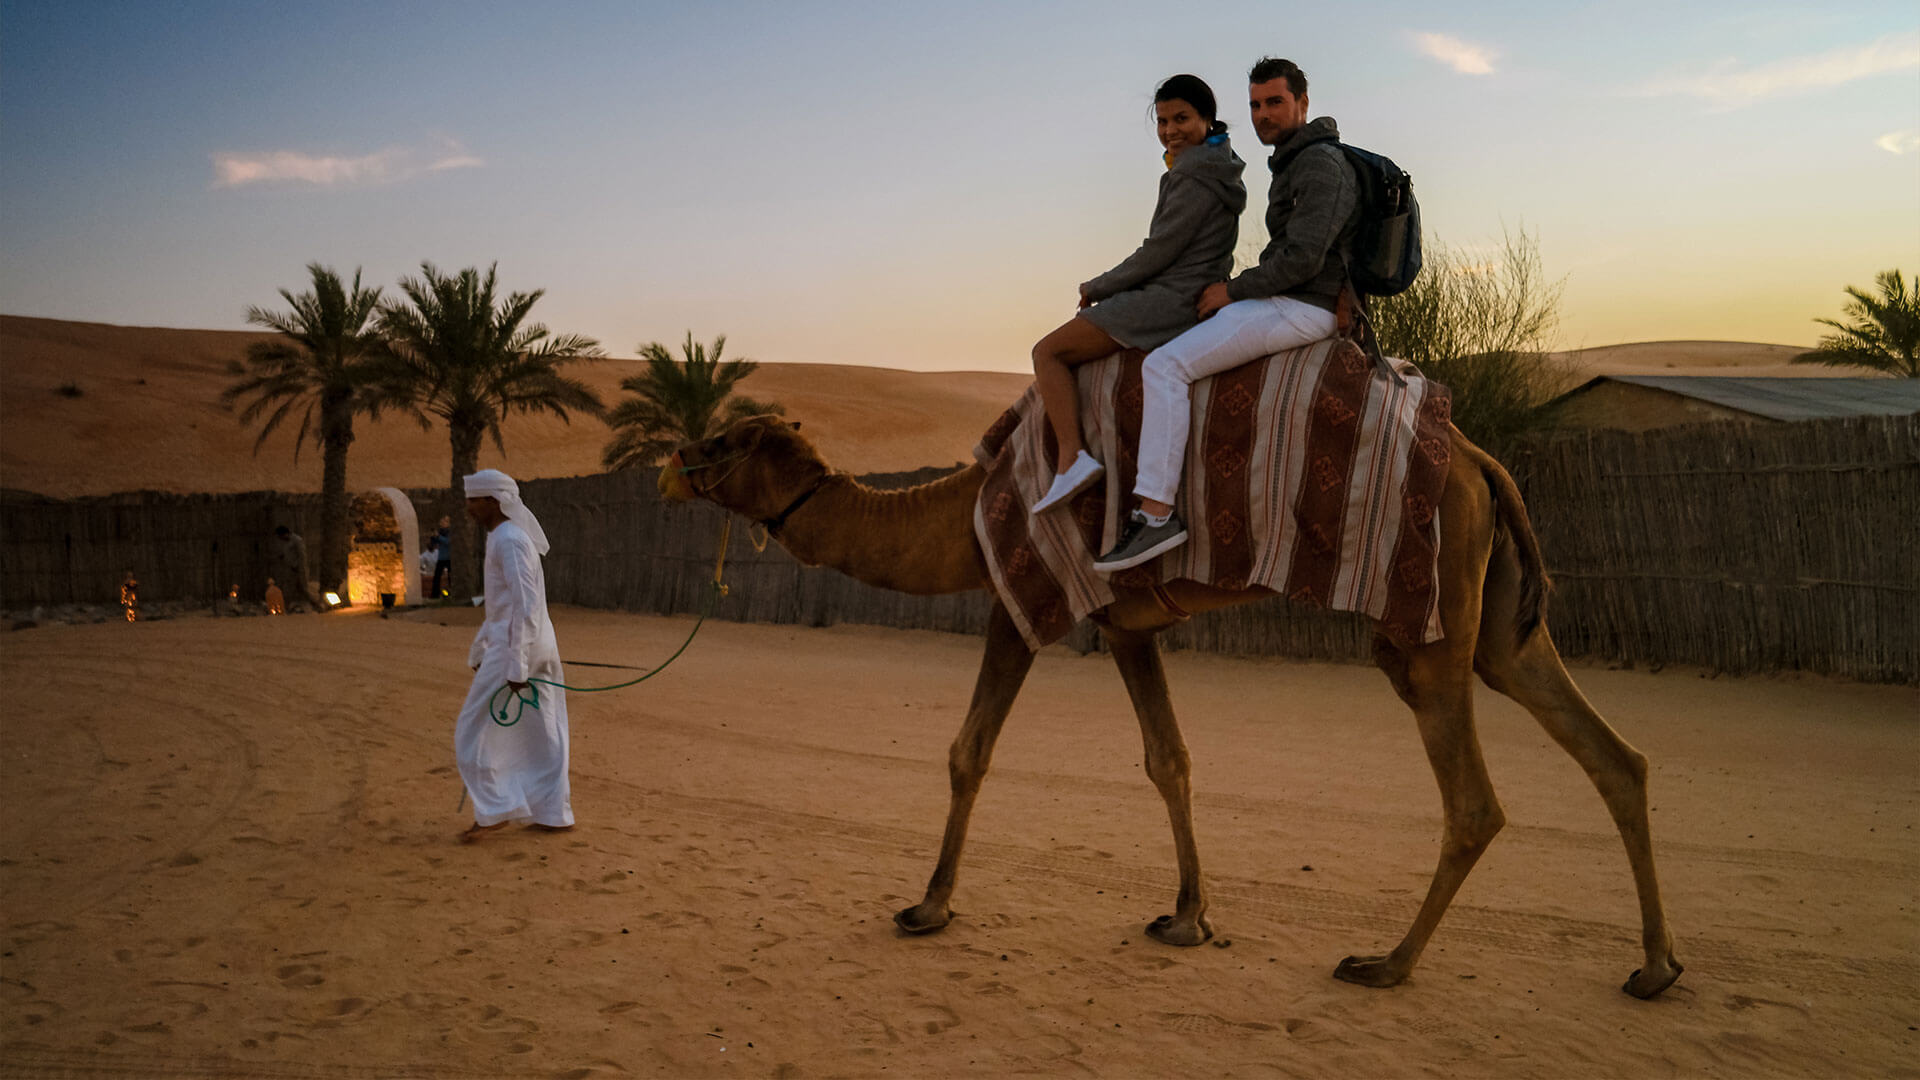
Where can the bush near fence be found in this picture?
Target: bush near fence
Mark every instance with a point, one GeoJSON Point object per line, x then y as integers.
{"type": "Point", "coordinates": [1736, 547]}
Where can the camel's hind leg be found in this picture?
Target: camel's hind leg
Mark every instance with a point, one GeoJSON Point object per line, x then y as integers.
{"type": "Point", "coordinates": [1169, 768]}
{"type": "Point", "coordinates": [1002, 670]}
{"type": "Point", "coordinates": [1436, 680]}
{"type": "Point", "coordinates": [1532, 674]}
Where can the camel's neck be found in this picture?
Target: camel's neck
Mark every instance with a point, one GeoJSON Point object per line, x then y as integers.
{"type": "Point", "coordinates": [919, 540]}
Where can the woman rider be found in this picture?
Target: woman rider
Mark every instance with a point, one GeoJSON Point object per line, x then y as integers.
{"type": "Point", "coordinates": [1150, 297]}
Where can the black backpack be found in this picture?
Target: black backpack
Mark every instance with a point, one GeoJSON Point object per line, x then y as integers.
{"type": "Point", "coordinates": [1385, 256]}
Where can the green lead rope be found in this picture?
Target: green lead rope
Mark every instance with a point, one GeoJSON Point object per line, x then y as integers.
{"type": "Point", "coordinates": [715, 590]}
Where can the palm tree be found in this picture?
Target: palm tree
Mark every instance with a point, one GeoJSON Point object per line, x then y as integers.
{"type": "Point", "coordinates": [325, 365]}
{"type": "Point", "coordinates": [458, 353]}
{"type": "Point", "coordinates": [677, 402]}
{"type": "Point", "coordinates": [1884, 333]}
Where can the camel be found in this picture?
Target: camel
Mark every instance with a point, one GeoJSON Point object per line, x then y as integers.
{"type": "Point", "coordinates": [1492, 594]}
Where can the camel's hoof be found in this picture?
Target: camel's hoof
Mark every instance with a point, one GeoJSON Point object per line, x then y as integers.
{"type": "Point", "coordinates": [1644, 984]}
{"type": "Point", "coordinates": [1375, 971]}
{"type": "Point", "coordinates": [1172, 931]}
{"type": "Point", "coordinates": [914, 920]}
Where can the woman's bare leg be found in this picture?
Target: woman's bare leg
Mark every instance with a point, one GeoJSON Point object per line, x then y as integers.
{"type": "Point", "coordinates": [1054, 358]}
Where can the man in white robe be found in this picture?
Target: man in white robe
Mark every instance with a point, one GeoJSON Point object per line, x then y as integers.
{"type": "Point", "coordinates": [516, 773]}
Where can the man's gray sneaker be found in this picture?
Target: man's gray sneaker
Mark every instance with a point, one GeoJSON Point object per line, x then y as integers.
{"type": "Point", "coordinates": [1141, 541]}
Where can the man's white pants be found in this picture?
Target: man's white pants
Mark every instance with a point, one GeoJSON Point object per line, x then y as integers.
{"type": "Point", "coordinates": [516, 773]}
{"type": "Point", "coordinates": [1242, 331]}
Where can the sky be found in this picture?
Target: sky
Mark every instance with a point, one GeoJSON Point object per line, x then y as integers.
{"type": "Point", "coordinates": [923, 186]}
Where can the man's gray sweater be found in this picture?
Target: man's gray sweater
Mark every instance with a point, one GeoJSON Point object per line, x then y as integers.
{"type": "Point", "coordinates": [1311, 208]}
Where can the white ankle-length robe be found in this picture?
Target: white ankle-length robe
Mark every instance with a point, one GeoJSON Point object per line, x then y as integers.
{"type": "Point", "coordinates": [516, 773]}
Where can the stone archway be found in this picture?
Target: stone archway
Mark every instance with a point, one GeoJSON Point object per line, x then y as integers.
{"type": "Point", "coordinates": [384, 554]}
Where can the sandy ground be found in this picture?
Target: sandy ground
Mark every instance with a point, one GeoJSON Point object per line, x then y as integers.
{"type": "Point", "coordinates": [231, 854]}
{"type": "Point", "coordinates": [147, 412]}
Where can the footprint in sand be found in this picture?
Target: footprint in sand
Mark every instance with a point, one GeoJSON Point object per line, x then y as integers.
{"type": "Point", "coordinates": [1207, 1024]}
{"type": "Point", "coordinates": [158, 1017]}
{"type": "Point", "coordinates": [600, 1067]}
{"type": "Point", "coordinates": [340, 1013]}
{"type": "Point", "coordinates": [494, 1020]}
{"type": "Point", "coordinates": [299, 976]}
{"type": "Point", "coordinates": [496, 926]}
{"type": "Point", "coordinates": [427, 1001]}
{"type": "Point", "coordinates": [920, 1018]}
{"type": "Point", "coordinates": [38, 1012]}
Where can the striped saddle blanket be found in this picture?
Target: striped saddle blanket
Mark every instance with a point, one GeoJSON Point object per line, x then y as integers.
{"type": "Point", "coordinates": [1312, 473]}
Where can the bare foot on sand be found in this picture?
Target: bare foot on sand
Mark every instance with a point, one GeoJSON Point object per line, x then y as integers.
{"type": "Point", "coordinates": [550, 828]}
{"type": "Point", "coordinates": [477, 830]}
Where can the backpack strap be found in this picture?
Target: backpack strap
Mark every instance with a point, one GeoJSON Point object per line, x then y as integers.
{"type": "Point", "coordinates": [1354, 322]}
{"type": "Point", "coordinates": [1278, 163]}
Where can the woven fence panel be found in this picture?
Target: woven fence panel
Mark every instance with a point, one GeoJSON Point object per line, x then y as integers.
{"type": "Point", "coordinates": [1736, 547]}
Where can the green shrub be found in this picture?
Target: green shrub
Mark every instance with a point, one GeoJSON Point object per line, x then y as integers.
{"type": "Point", "coordinates": [1483, 327]}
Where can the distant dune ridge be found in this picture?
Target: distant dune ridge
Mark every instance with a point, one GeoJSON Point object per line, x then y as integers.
{"type": "Point", "coordinates": [147, 414]}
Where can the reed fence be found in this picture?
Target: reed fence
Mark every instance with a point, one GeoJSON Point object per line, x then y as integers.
{"type": "Point", "coordinates": [1736, 547]}
{"type": "Point", "coordinates": [180, 547]}
{"type": "Point", "coordinates": [1739, 548]}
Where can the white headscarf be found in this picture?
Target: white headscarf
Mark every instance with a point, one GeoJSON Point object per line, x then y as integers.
{"type": "Point", "coordinates": [499, 486]}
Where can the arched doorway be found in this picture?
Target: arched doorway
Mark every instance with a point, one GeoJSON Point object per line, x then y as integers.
{"type": "Point", "coordinates": [384, 556]}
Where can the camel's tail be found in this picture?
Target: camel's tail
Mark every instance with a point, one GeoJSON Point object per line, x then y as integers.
{"type": "Point", "coordinates": [1511, 514]}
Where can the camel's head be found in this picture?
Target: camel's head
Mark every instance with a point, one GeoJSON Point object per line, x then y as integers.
{"type": "Point", "coordinates": [757, 467]}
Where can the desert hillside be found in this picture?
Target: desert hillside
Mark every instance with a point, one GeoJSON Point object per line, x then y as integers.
{"type": "Point", "coordinates": [147, 416]}
{"type": "Point", "coordinates": [140, 410]}
{"type": "Point", "coordinates": [1693, 358]}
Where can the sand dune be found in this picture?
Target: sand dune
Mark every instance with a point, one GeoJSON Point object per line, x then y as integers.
{"type": "Point", "coordinates": [1693, 358]}
{"type": "Point", "coordinates": [148, 417]}
{"type": "Point", "coordinates": [231, 854]}
{"type": "Point", "coordinates": [147, 414]}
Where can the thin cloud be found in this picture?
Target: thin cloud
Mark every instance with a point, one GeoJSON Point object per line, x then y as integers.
{"type": "Point", "coordinates": [1728, 84]}
{"type": "Point", "coordinates": [389, 166]}
{"type": "Point", "coordinates": [1462, 56]}
{"type": "Point", "coordinates": [1899, 142]}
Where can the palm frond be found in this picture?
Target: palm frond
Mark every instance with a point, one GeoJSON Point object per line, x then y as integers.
{"type": "Point", "coordinates": [677, 400]}
{"type": "Point", "coordinates": [1882, 334]}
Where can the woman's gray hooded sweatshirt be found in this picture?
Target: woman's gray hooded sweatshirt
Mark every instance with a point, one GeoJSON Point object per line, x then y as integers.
{"type": "Point", "coordinates": [1149, 298]}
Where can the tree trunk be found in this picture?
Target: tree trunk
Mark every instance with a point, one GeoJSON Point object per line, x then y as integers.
{"type": "Point", "coordinates": [469, 552]}
{"type": "Point", "coordinates": [336, 435]}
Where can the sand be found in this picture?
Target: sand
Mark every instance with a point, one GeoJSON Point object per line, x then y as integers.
{"type": "Point", "coordinates": [1742, 358]}
{"type": "Point", "coordinates": [148, 417]}
{"type": "Point", "coordinates": [147, 413]}
{"type": "Point", "coordinates": [231, 853]}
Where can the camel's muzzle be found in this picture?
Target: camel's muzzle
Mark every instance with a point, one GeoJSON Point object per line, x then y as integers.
{"type": "Point", "coordinates": [673, 480]}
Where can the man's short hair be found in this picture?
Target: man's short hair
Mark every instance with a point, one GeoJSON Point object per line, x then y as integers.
{"type": "Point", "coordinates": [1270, 68]}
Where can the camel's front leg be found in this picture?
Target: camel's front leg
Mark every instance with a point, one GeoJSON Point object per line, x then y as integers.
{"type": "Point", "coordinates": [1002, 671]}
{"type": "Point", "coordinates": [1168, 767]}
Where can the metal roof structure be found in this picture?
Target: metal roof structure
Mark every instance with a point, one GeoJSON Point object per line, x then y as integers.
{"type": "Point", "coordinates": [1782, 399]}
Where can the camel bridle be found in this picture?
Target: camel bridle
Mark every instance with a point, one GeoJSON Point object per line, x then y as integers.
{"type": "Point", "coordinates": [772, 524]}
{"type": "Point", "coordinates": [738, 457]}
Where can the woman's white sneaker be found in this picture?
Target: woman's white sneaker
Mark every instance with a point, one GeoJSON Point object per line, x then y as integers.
{"type": "Point", "coordinates": [1079, 476]}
